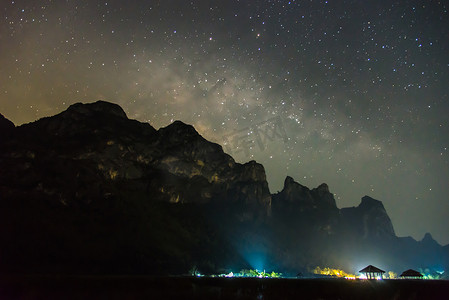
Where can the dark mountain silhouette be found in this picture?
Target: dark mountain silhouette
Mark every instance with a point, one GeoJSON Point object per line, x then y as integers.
{"type": "Point", "coordinates": [6, 127]}
{"type": "Point", "coordinates": [91, 191]}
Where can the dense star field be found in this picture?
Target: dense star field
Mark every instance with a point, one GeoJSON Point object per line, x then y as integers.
{"type": "Point", "coordinates": [351, 93]}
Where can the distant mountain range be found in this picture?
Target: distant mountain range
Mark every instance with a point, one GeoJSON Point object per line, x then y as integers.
{"type": "Point", "coordinates": [90, 191]}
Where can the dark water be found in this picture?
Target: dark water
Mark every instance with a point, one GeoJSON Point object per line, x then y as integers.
{"type": "Point", "coordinates": [131, 287]}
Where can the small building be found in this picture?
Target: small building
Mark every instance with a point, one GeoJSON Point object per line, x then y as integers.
{"type": "Point", "coordinates": [372, 272]}
{"type": "Point", "coordinates": [411, 274]}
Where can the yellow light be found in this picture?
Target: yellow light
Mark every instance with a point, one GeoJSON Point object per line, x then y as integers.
{"type": "Point", "coordinates": [333, 272]}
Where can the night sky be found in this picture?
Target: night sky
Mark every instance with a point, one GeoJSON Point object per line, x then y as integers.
{"type": "Point", "coordinates": [351, 93]}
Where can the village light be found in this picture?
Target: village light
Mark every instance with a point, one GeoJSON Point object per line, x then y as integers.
{"type": "Point", "coordinates": [229, 275]}
{"type": "Point", "coordinates": [372, 272]}
{"type": "Point", "coordinates": [333, 272]}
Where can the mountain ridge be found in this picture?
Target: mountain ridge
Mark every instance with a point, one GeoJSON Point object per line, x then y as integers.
{"type": "Point", "coordinates": [91, 158]}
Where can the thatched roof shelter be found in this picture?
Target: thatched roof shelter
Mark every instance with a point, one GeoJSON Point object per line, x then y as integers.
{"type": "Point", "coordinates": [372, 272]}
{"type": "Point", "coordinates": [411, 274]}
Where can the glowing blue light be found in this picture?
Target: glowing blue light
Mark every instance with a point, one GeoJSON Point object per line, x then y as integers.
{"type": "Point", "coordinates": [257, 260]}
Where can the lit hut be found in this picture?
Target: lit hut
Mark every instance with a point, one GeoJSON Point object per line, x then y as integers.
{"type": "Point", "coordinates": [371, 272]}
{"type": "Point", "coordinates": [411, 274]}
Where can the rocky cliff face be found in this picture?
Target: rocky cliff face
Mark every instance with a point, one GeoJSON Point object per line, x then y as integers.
{"type": "Point", "coordinates": [429, 241]}
{"type": "Point", "coordinates": [93, 166]}
{"type": "Point", "coordinates": [301, 197]}
{"type": "Point", "coordinates": [368, 220]}
{"type": "Point", "coordinates": [89, 186]}
{"type": "Point", "coordinates": [309, 230]}
{"type": "Point", "coordinates": [296, 206]}
{"type": "Point", "coordinates": [97, 143]}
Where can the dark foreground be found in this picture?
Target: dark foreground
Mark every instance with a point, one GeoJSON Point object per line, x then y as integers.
{"type": "Point", "coordinates": [84, 287]}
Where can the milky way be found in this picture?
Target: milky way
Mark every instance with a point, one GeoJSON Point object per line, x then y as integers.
{"type": "Point", "coordinates": [351, 93]}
